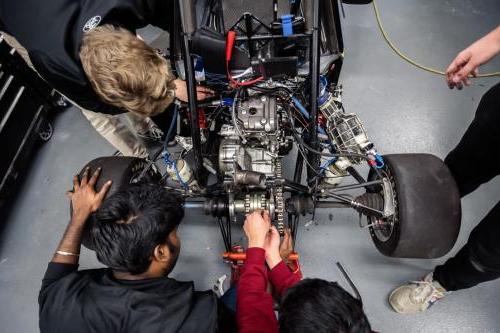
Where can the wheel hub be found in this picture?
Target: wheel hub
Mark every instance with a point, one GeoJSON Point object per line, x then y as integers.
{"type": "Point", "coordinates": [383, 228]}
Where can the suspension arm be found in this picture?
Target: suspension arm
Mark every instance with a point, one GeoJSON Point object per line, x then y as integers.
{"type": "Point", "coordinates": [332, 188]}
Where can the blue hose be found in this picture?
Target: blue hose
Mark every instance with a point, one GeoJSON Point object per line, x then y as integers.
{"type": "Point", "coordinates": [166, 154]}
{"type": "Point", "coordinates": [380, 161]}
{"type": "Point", "coordinates": [304, 112]}
{"type": "Point", "coordinates": [301, 108]}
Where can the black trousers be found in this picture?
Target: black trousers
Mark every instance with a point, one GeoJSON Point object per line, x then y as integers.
{"type": "Point", "coordinates": [475, 161]}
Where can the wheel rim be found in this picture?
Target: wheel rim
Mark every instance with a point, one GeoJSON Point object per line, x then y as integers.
{"type": "Point", "coordinates": [383, 229]}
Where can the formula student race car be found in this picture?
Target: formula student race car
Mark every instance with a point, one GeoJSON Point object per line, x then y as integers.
{"type": "Point", "coordinates": [275, 67]}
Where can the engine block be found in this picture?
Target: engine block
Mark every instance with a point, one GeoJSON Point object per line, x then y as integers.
{"type": "Point", "coordinates": [254, 145]}
{"type": "Point", "coordinates": [258, 115]}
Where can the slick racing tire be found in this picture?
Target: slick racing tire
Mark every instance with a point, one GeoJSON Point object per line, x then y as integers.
{"type": "Point", "coordinates": [122, 171]}
{"type": "Point", "coordinates": [427, 215]}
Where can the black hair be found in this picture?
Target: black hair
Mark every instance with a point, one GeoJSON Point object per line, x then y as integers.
{"type": "Point", "coordinates": [131, 223]}
{"type": "Point", "coordinates": [319, 306]}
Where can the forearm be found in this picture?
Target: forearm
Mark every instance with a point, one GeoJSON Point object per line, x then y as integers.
{"type": "Point", "coordinates": [282, 278]}
{"type": "Point", "coordinates": [495, 39]}
{"type": "Point", "coordinates": [490, 44]}
{"type": "Point", "coordinates": [254, 305]}
{"type": "Point", "coordinates": [71, 241]}
{"type": "Point", "coordinates": [273, 259]}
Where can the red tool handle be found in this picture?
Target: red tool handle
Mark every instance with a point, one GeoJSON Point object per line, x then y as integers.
{"type": "Point", "coordinates": [243, 256]}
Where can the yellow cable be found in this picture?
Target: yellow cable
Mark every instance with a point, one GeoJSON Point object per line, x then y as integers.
{"type": "Point", "coordinates": [405, 57]}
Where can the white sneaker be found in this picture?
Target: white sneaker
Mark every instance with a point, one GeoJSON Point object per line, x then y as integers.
{"type": "Point", "coordinates": [153, 133]}
{"type": "Point", "coordinates": [416, 296]}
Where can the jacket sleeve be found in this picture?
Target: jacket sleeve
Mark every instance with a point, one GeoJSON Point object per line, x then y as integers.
{"type": "Point", "coordinates": [159, 13]}
{"type": "Point", "coordinates": [254, 306]}
{"type": "Point", "coordinates": [282, 278]}
{"type": "Point", "coordinates": [56, 271]}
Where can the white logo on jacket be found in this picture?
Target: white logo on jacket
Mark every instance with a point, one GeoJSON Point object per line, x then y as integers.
{"type": "Point", "coordinates": [92, 23]}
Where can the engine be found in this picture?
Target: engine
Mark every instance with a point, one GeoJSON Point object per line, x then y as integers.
{"type": "Point", "coordinates": [250, 154]}
{"type": "Point", "coordinates": [262, 127]}
{"type": "Point", "coordinates": [262, 110]}
{"type": "Point", "coordinates": [252, 143]}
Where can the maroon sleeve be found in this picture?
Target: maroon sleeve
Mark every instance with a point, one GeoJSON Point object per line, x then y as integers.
{"type": "Point", "coordinates": [282, 278]}
{"type": "Point", "coordinates": [254, 306]}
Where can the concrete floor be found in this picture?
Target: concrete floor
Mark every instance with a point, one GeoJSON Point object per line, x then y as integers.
{"type": "Point", "coordinates": [404, 110]}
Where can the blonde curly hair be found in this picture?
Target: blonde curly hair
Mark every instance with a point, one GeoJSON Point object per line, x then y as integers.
{"type": "Point", "coordinates": [125, 72]}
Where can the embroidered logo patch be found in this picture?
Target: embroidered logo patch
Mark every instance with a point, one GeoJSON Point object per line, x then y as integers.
{"type": "Point", "coordinates": [92, 23]}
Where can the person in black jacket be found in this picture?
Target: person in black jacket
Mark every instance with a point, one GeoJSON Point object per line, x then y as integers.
{"type": "Point", "coordinates": [134, 233]}
{"type": "Point", "coordinates": [478, 260]}
{"type": "Point", "coordinates": [88, 50]}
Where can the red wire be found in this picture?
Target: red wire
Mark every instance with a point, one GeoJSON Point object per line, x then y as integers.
{"type": "Point", "coordinates": [247, 83]}
{"type": "Point", "coordinates": [241, 84]}
{"type": "Point", "coordinates": [231, 37]}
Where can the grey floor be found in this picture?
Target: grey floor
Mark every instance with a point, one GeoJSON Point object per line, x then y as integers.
{"type": "Point", "coordinates": [404, 110]}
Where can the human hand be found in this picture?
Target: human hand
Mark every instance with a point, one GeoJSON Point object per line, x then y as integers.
{"type": "Point", "coordinates": [272, 242]}
{"type": "Point", "coordinates": [84, 199]}
{"type": "Point", "coordinates": [256, 227]}
{"type": "Point", "coordinates": [272, 247]}
{"type": "Point", "coordinates": [467, 62]}
{"type": "Point", "coordinates": [182, 94]}
{"type": "Point", "coordinates": [286, 247]}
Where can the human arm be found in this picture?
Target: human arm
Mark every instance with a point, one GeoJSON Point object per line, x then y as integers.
{"type": "Point", "coordinates": [181, 92]}
{"type": "Point", "coordinates": [286, 249]}
{"type": "Point", "coordinates": [254, 305]}
{"type": "Point", "coordinates": [158, 13]}
{"type": "Point", "coordinates": [280, 275]}
{"type": "Point", "coordinates": [282, 278]}
{"type": "Point", "coordinates": [467, 62]}
{"type": "Point", "coordinates": [85, 200]}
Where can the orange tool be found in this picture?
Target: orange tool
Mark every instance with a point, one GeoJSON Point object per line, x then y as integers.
{"type": "Point", "coordinates": [242, 256]}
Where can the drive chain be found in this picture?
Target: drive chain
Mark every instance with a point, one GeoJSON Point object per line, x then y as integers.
{"type": "Point", "coordinates": [279, 198]}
